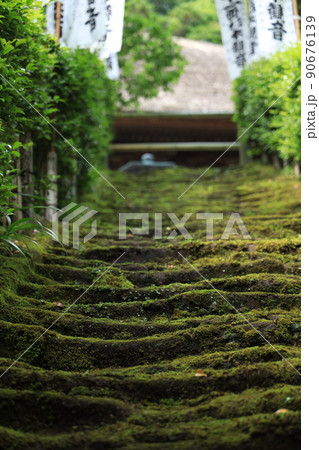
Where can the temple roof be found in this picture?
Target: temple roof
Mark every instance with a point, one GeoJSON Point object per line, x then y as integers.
{"type": "Point", "coordinates": [204, 87]}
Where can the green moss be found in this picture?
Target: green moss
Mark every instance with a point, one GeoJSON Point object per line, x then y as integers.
{"type": "Point", "coordinates": [70, 353]}
{"type": "Point", "coordinates": [254, 432]}
{"type": "Point", "coordinates": [86, 412]}
{"type": "Point", "coordinates": [12, 271]}
{"type": "Point", "coordinates": [113, 279]}
{"type": "Point", "coordinates": [117, 370]}
{"type": "Point", "coordinates": [64, 273]}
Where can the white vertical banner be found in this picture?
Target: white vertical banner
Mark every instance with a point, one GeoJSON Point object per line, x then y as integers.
{"type": "Point", "coordinates": [115, 24]}
{"type": "Point", "coordinates": [112, 67]}
{"type": "Point", "coordinates": [82, 22]}
{"type": "Point", "coordinates": [111, 43]}
{"type": "Point", "coordinates": [50, 16]}
{"type": "Point", "coordinates": [253, 45]}
{"type": "Point", "coordinates": [275, 25]}
{"type": "Point", "coordinates": [233, 19]}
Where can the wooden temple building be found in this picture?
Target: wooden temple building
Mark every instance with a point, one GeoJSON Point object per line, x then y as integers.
{"type": "Point", "coordinates": [192, 125]}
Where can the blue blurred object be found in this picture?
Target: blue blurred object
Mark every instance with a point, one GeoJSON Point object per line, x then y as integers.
{"type": "Point", "coordinates": [147, 162]}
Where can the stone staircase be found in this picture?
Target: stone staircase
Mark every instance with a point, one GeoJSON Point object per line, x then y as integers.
{"type": "Point", "coordinates": [151, 356]}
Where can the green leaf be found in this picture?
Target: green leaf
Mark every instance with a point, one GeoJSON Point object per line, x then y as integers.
{"type": "Point", "coordinates": [15, 246]}
{"type": "Point", "coordinates": [20, 42]}
{"type": "Point", "coordinates": [30, 66]}
{"type": "Point", "coordinates": [16, 145]}
{"type": "Point", "coordinates": [8, 48]}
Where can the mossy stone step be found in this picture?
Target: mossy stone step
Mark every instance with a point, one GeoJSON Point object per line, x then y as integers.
{"type": "Point", "coordinates": [143, 306]}
{"type": "Point", "coordinates": [198, 248]}
{"type": "Point", "coordinates": [256, 432]}
{"type": "Point", "coordinates": [71, 353]}
{"type": "Point", "coordinates": [24, 375]}
{"type": "Point", "coordinates": [140, 278]}
{"type": "Point", "coordinates": [91, 413]}
{"type": "Point", "coordinates": [80, 326]}
{"type": "Point", "coordinates": [143, 279]}
{"type": "Point", "coordinates": [64, 274]}
{"type": "Point", "coordinates": [55, 413]}
{"type": "Point", "coordinates": [159, 381]}
{"type": "Point", "coordinates": [119, 288]}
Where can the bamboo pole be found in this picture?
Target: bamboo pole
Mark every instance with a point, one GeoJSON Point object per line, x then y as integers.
{"type": "Point", "coordinates": [52, 160]}
{"type": "Point", "coordinates": [297, 19]}
{"type": "Point", "coordinates": [58, 11]}
{"type": "Point", "coordinates": [27, 173]}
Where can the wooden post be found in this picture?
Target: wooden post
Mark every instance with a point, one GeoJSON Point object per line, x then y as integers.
{"type": "Point", "coordinates": [297, 169]}
{"type": "Point", "coordinates": [58, 11]}
{"type": "Point", "coordinates": [276, 160]}
{"type": "Point", "coordinates": [18, 213]}
{"type": "Point", "coordinates": [297, 20]}
{"type": "Point", "coordinates": [264, 158]}
{"type": "Point", "coordinates": [244, 158]}
{"type": "Point", "coordinates": [27, 173]}
{"type": "Point", "coordinates": [52, 159]}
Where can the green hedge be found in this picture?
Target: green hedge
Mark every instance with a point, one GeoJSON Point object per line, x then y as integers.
{"type": "Point", "coordinates": [26, 63]}
{"type": "Point", "coordinates": [70, 89]}
{"type": "Point", "coordinates": [85, 104]}
{"type": "Point", "coordinates": [274, 81]}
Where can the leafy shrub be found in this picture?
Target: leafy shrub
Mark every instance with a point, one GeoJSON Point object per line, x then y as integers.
{"type": "Point", "coordinates": [84, 100]}
{"type": "Point", "coordinates": [149, 59]}
{"type": "Point", "coordinates": [16, 236]}
{"type": "Point", "coordinates": [26, 66]}
{"type": "Point", "coordinates": [271, 82]}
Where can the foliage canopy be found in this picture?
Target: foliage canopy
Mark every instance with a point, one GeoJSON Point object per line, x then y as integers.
{"type": "Point", "coordinates": [261, 85]}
